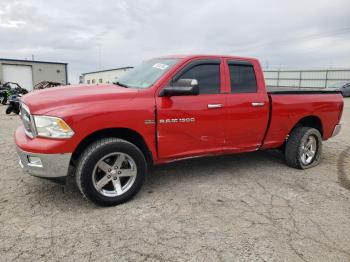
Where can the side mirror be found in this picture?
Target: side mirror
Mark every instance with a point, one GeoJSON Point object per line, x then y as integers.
{"type": "Point", "coordinates": [182, 87]}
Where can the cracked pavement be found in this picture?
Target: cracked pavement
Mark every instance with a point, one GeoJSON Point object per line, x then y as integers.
{"type": "Point", "coordinates": [247, 207]}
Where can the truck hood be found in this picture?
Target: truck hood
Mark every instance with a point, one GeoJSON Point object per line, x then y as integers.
{"type": "Point", "coordinates": [58, 100]}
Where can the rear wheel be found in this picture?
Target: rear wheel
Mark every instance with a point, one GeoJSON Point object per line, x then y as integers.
{"type": "Point", "coordinates": [111, 171]}
{"type": "Point", "coordinates": [303, 148]}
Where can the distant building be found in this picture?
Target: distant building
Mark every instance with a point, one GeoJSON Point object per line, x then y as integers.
{"type": "Point", "coordinates": [28, 73]}
{"type": "Point", "coordinates": [103, 76]}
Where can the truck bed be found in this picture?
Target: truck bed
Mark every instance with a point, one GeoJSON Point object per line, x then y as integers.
{"type": "Point", "coordinates": [296, 90]}
{"type": "Point", "coordinates": [322, 106]}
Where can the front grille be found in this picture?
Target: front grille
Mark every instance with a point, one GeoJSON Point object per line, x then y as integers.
{"type": "Point", "coordinates": [27, 121]}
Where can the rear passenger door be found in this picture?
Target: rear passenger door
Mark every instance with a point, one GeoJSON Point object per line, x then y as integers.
{"type": "Point", "coordinates": [246, 107]}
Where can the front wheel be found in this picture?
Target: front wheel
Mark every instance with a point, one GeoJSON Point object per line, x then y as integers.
{"type": "Point", "coordinates": [303, 148]}
{"type": "Point", "coordinates": [111, 171]}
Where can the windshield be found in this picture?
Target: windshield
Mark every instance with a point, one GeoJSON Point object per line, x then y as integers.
{"type": "Point", "coordinates": [146, 74]}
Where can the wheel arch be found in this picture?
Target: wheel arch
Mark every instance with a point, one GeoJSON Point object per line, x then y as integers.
{"type": "Point", "coordinates": [309, 121]}
{"type": "Point", "coordinates": [123, 133]}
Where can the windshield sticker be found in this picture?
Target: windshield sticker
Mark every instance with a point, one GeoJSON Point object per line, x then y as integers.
{"type": "Point", "coordinates": [160, 66]}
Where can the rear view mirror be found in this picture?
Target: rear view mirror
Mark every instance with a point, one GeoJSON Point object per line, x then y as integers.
{"type": "Point", "coordinates": [182, 87]}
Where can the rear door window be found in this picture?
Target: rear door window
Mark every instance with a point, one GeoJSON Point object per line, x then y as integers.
{"type": "Point", "coordinates": [242, 77]}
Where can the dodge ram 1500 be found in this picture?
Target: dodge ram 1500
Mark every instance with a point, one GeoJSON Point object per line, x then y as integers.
{"type": "Point", "coordinates": [167, 109]}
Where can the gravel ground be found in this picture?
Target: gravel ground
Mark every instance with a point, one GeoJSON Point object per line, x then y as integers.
{"type": "Point", "coordinates": [248, 207]}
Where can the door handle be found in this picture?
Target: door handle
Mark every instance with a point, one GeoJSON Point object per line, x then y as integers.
{"type": "Point", "coordinates": [257, 104]}
{"type": "Point", "coordinates": [211, 106]}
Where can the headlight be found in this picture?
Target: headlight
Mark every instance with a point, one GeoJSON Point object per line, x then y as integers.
{"type": "Point", "coordinates": [54, 127]}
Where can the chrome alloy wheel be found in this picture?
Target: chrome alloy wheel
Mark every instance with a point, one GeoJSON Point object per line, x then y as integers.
{"type": "Point", "coordinates": [309, 150]}
{"type": "Point", "coordinates": [114, 174]}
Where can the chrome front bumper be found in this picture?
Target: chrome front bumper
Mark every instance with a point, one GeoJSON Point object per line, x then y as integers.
{"type": "Point", "coordinates": [44, 165]}
{"type": "Point", "coordinates": [336, 130]}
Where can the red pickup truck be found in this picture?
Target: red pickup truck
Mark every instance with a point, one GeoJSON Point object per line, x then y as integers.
{"type": "Point", "coordinates": [167, 109]}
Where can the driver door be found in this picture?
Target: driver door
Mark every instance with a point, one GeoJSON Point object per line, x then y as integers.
{"type": "Point", "coordinates": [193, 124]}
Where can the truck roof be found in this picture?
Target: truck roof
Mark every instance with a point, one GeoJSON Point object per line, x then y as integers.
{"type": "Point", "coordinates": [188, 56]}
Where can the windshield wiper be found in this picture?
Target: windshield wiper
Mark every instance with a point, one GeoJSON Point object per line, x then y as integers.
{"type": "Point", "coordinates": [121, 84]}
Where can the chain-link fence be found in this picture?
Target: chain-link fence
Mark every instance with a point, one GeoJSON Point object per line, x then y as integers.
{"type": "Point", "coordinates": [306, 78]}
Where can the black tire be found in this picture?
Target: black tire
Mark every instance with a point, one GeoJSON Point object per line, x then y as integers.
{"type": "Point", "coordinates": [95, 152]}
{"type": "Point", "coordinates": [4, 101]}
{"type": "Point", "coordinates": [9, 110]}
{"type": "Point", "coordinates": [295, 144]}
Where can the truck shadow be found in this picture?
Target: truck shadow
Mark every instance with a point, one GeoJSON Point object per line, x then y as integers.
{"type": "Point", "coordinates": [199, 168]}
{"type": "Point", "coordinates": [172, 175]}
{"type": "Point", "coordinates": [343, 165]}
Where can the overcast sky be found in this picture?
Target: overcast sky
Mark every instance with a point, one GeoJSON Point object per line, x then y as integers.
{"type": "Point", "coordinates": [92, 35]}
